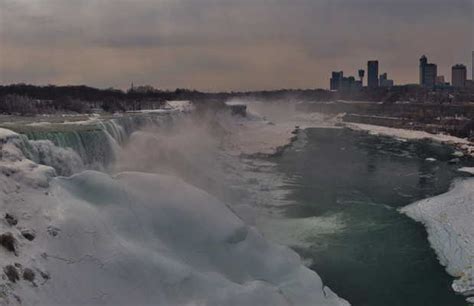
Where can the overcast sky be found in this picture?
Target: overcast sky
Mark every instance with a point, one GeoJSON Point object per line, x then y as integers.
{"type": "Point", "coordinates": [227, 44]}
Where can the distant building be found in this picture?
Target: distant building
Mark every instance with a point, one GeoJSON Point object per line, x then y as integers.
{"type": "Point", "coordinates": [472, 63]}
{"type": "Point", "coordinates": [423, 63]}
{"type": "Point", "coordinates": [339, 82]}
{"type": "Point", "coordinates": [358, 85]}
{"type": "Point", "coordinates": [384, 81]}
{"type": "Point", "coordinates": [440, 80]}
{"type": "Point", "coordinates": [336, 80]}
{"type": "Point", "coordinates": [428, 73]}
{"type": "Point", "coordinates": [361, 76]}
{"type": "Point", "coordinates": [373, 74]}
{"type": "Point", "coordinates": [470, 84]}
{"type": "Point", "coordinates": [347, 83]}
{"type": "Point", "coordinates": [459, 76]}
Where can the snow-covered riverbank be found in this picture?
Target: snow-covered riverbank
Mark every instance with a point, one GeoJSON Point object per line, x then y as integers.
{"type": "Point", "coordinates": [461, 143]}
{"type": "Point", "coordinates": [449, 221]}
{"type": "Point", "coordinates": [448, 218]}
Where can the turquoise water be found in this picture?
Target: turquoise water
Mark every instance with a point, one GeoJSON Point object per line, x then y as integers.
{"type": "Point", "coordinates": [380, 257]}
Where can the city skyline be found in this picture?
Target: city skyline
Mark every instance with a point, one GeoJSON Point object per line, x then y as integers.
{"type": "Point", "coordinates": [428, 76]}
{"type": "Point", "coordinates": [227, 45]}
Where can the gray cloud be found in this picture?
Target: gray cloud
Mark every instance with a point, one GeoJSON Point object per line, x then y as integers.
{"type": "Point", "coordinates": [226, 44]}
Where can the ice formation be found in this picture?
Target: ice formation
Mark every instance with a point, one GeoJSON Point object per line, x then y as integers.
{"type": "Point", "coordinates": [449, 221]}
{"type": "Point", "coordinates": [469, 170]}
{"type": "Point", "coordinates": [131, 238]}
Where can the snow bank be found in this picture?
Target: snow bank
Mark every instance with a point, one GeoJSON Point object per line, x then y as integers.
{"type": "Point", "coordinates": [182, 106]}
{"type": "Point", "coordinates": [406, 134]}
{"type": "Point", "coordinates": [268, 127]}
{"type": "Point", "coordinates": [449, 222]}
{"type": "Point", "coordinates": [463, 143]}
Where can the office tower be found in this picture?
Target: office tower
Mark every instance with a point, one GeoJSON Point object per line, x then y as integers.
{"type": "Point", "coordinates": [459, 75]}
{"type": "Point", "coordinates": [373, 74]}
{"type": "Point", "coordinates": [335, 82]}
{"type": "Point", "coordinates": [342, 83]}
{"type": "Point", "coordinates": [423, 63]}
{"type": "Point", "coordinates": [428, 73]}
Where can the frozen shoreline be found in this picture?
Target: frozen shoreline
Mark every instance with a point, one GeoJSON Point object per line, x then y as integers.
{"type": "Point", "coordinates": [463, 144]}
{"type": "Point", "coordinates": [448, 219]}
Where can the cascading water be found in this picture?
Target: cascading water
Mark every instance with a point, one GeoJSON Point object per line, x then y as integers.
{"type": "Point", "coordinates": [73, 148]}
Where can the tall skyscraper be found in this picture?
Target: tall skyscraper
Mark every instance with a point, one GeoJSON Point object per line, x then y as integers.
{"type": "Point", "coordinates": [428, 73]}
{"type": "Point", "coordinates": [423, 63]}
{"type": "Point", "coordinates": [459, 75]}
{"type": "Point", "coordinates": [373, 74]}
{"type": "Point", "coordinates": [472, 63]}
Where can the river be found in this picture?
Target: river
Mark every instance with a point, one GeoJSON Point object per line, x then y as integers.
{"type": "Point", "coordinates": [377, 256]}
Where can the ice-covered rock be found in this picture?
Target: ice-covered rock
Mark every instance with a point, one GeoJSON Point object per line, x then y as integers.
{"type": "Point", "coordinates": [449, 221]}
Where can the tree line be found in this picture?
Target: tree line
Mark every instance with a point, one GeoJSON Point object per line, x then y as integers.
{"type": "Point", "coordinates": [27, 99]}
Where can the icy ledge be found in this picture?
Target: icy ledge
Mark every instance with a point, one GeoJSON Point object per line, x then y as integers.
{"type": "Point", "coordinates": [449, 220]}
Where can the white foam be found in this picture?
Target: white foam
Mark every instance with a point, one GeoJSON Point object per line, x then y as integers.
{"type": "Point", "coordinates": [301, 232]}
